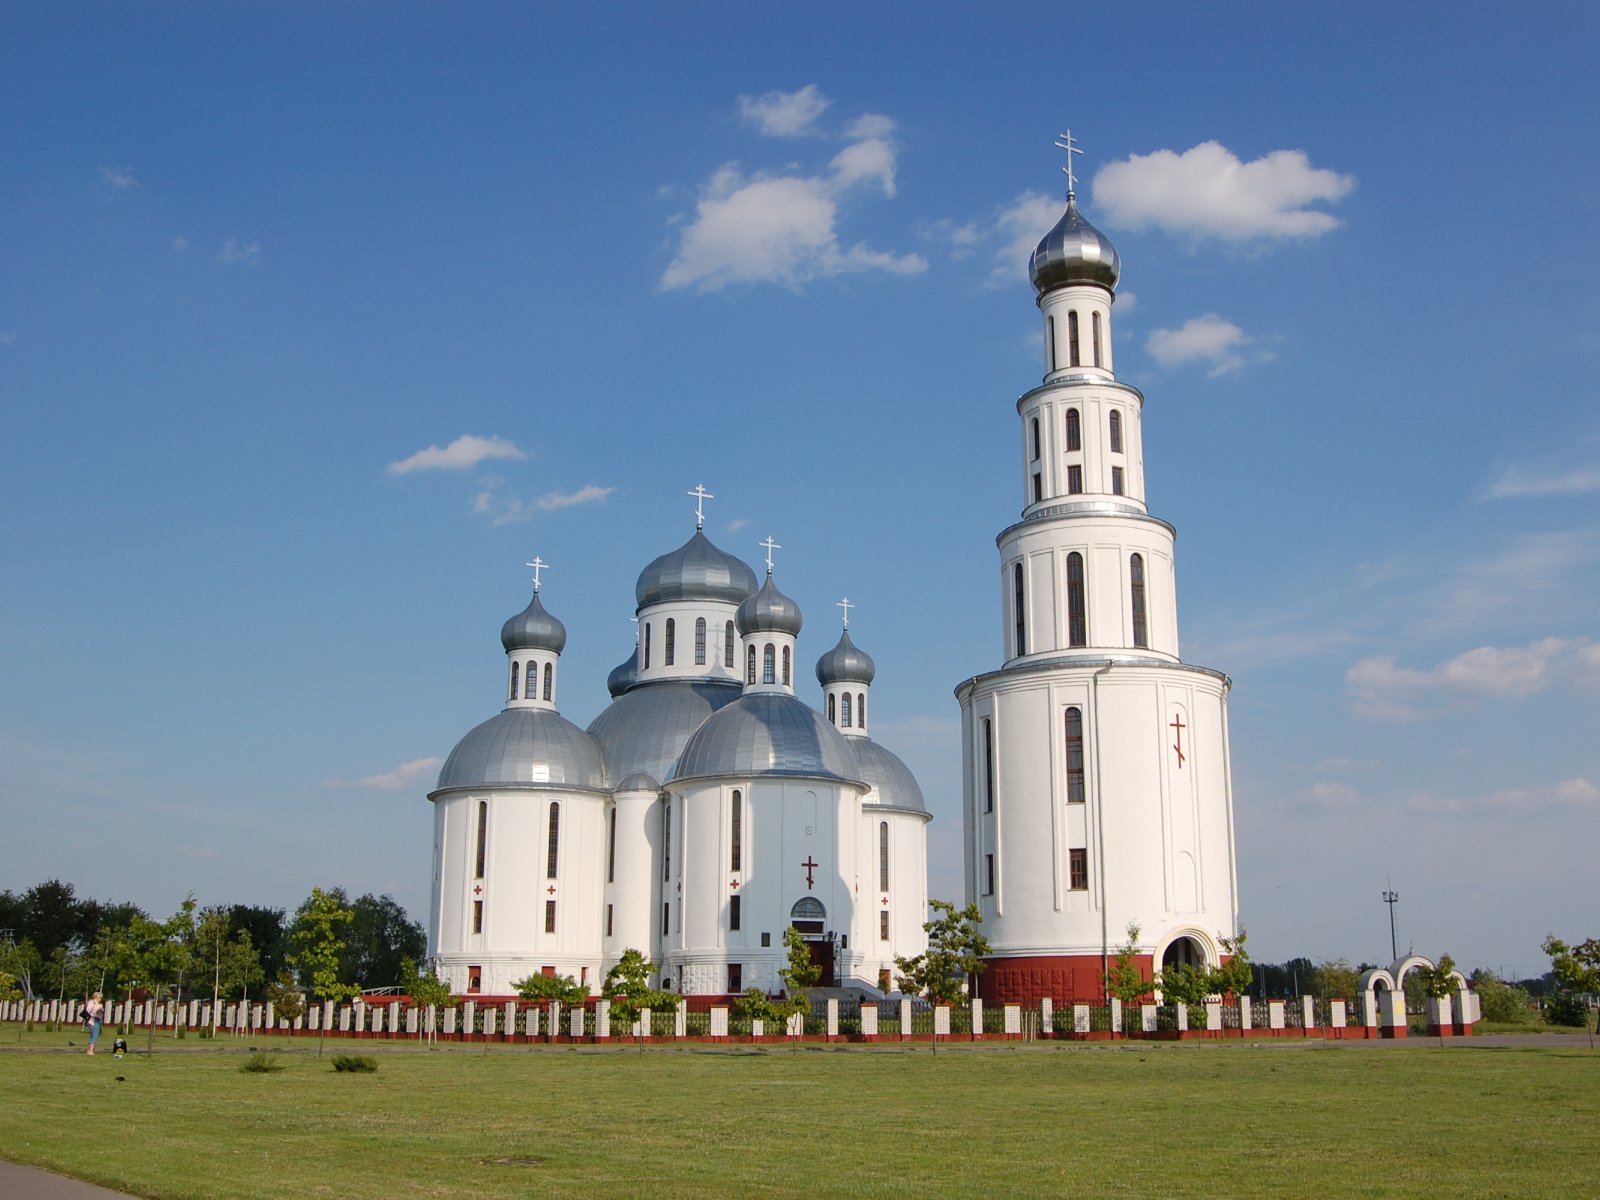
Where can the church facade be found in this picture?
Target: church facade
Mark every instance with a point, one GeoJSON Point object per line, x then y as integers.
{"type": "Point", "coordinates": [703, 813]}
{"type": "Point", "coordinates": [1096, 782]}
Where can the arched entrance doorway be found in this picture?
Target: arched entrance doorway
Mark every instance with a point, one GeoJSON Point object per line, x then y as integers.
{"type": "Point", "coordinates": [809, 919]}
{"type": "Point", "coordinates": [1183, 950]}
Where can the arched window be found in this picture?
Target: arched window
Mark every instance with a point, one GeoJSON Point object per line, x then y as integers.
{"type": "Point", "coordinates": [727, 645]}
{"type": "Point", "coordinates": [988, 765]}
{"type": "Point", "coordinates": [1095, 322]}
{"type": "Point", "coordinates": [1114, 424]}
{"type": "Point", "coordinates": [549, 680]}
{"type": "Point", "coordinates": [669, 651]}
{"type": "Point", "coordinates": [1021, 615]}
{"type": "Point", "coordinates": [1036, 438]}
{"type": "Point", "coordinates": [1072, 339]}
{"type": "Point", "coordinates": [844, 711]}
{"type": "Point", "coordinates": [786, 666]}
{"type": "Point", "coordinates": [647, 646]}
{"type": "Point", "coordinates": [769, 666]}
{"type": "Point", "coordinates": [699, 641]}
{"type": "Point", "coordinates": [1074, 756]}
{"type": "Point", "coordinates": [883, 856]}
{"type": "Point", "coordinates": [1074, 430]}
{"type": "Point", "coordinates": [861, 710]}
{"type": "Point", "coordinates": [1050, 343]}
{"type": "Point", "coordinates": [513, 695]}
{"type": "Point", "coordinates": [554, 840]}
{"type": "Point", "coordinates": [530, 681]}
{"type": "Point", "coordinates": [833, 709]}
{"type": "Point", "coordinates": [1077, 614]}
{"type": "Point", "coordinates": [808, 915]}
{"type": "Point", "coordinates": [1141, 634]}
{"type": "Point", "coordinates": [750, 664]}
{"type": "Point", "coordinates": [736, 830]}
{"type": "Point", "coordinates": [483, 838]}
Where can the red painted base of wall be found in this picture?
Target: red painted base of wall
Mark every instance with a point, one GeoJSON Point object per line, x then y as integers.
{"type": "Point", "coordinates": [1065, 978]}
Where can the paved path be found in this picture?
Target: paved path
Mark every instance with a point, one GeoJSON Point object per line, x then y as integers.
{"type": "Point", "coordinates": [29, 1183]}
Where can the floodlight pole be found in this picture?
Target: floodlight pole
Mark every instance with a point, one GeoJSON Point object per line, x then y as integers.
{"type": "Point", "coordinates": [1391, 898]}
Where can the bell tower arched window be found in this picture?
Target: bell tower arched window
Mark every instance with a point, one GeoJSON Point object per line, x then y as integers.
{"type": "Point", "coordinates": [883, 856]}
{"type": "Point", "coordinates": [833, 709]}
{"type": "Point", "coordinates": [1021, 612]}
{"type": "Point", "coordinates": [1074, 748]}
{"type": "Point", "coordinates": [736, 831]}
{"type": "Point", "coordinates": [769, 667]}
{"type": "Point", "coordinates": [861, 710]}
{"type": "Point", "coordinates": [669, 649]}
{"type": "Point", "coordinates": [786, 666]}
{"type": "Point", "coordinates": [750, 665]}
{"type": "Point", "coordinates": [1094, 322]}
{"type": "Point", "coordinates": [1074, 430]}
{"type": "Point", "coordinates": [549, 680]}
{"type": "Point", "coordinates": [530, 681]}
{"type": "Point", "coordinates": [1114, 426]}
{"type": "Point", "coordinates": [513, 695]}
{"type": "Point", "coordinates": [1077, 612]}
{"type": "Point", "coordinates": [1072, 339]}
{"type": "Point", "coordinates": [844, 711]}
{"type": "Point", "coordinates": [1141, 632]}
{"type": "Point", "coordinates": [482, 851]}
{"type": "Point", "coordinates": [647, 646]}
{"type": "Point", "coordinates": [727, 645]}
{"type": "Point", "coordinates": [1050, 343]}
{"type": "Point", "coordinates": [554, 840]}
{"type": "Point", "coordinates": [699, 641]}
{"type": "Point", "coordinates": [1036, 439]}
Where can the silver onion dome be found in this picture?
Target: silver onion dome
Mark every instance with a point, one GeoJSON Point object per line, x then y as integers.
{"type": "Point", "coordinates": [1074, 252]}
{"type": "Point", "coordinates": [528, 748]}
{"type": "Point", "coordinates": [645, 730]}
{"type": "Point", "coordinates": [769, 611]}
{"type": "Point", "coordinates": [696, 570]}
{"type": "Point", "coordinates": [766, 733]}
{"type": "Point", "coordinates": [845, 663]}
{"type": "Point", "coordinates": [893, 781]}
{"type": "Point", "coordinates": [624, 675]}
{"type": "Point", "coordinates": [534, 629]}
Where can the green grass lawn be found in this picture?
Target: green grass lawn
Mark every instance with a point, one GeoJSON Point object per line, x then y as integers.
{"type": "Point", "coordinates": [1213, 1120]}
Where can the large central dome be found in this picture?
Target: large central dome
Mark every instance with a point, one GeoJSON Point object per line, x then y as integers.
{"type": "Point", "coordinates": [696, 570]}
{"type": "Point", "coordinates": [767, 733]}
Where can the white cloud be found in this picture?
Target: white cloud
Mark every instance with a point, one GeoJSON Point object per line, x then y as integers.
{"type": "Point", "coordinates": [1021, 224]}
{"type": "Point", "coordinates": [552, 501]}
{"type": "Point", "coordinates": [406, 776]}
{"type": "Point", "coordinates": [1204, 339]}
{"type": "Point", "coordinates": [1346, 764]}
{"type": "Point", "coordinates": [1207, 192]}
{"type": "Point", "coordinates": [870, 125]}
{"type": "Point", "coordinates": [235, 251]}
{"type": "Point", "coordinates": [1515, 483]}
{"type": "Point", "coordinates": [786, 114]}
{"type": "Point", "coordinates": [737, 524]}
{"type": "Point", "coordinates": [1333, 795]}
{"type": "Point", "coordinates": [118, 178]}
{"type": "Point", "coordinates": [870, 161]}
{"type": "Point", "coordinates": [1569, 794]}
{"type": "Point", "coordinates": [465, 452]}
{"type": "Point", "coordinates": [1380, 690]}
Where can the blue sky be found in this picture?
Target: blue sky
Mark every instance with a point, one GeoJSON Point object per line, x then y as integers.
{"type": "Point", "coordinates": [256, 258]}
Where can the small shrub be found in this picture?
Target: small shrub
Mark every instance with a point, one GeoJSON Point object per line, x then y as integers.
{"type": "Point", "coordinates": [1566, 1008]}
{"type": "Point", "coordinates": [358, 1063]}
{"type": "Point", "coordinates": [261, 1064]}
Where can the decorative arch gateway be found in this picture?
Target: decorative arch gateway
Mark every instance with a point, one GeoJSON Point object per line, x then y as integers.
{"type": "Point", "coordinates": [1188, 944]}
{"type": "Point", "coordinates": [1383, 1000]}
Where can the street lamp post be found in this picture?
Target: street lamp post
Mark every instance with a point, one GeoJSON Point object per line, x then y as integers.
{"type": "Point", "coordinates": [1391, 898]}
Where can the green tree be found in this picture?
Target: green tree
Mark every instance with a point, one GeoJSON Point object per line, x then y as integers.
{"type": "Point", "coordinates": [287, 1000]}
{"type": "Point", "coordinates": [156, 955]}
{"type": "Point", "coordinates": [318, 950]}
{"type": "Point", "coordinates": [1335, 979]}
{"type": "Point", "coordinates": [380, 938]}
{"type": "Point", "coordinates": [1499, 1001]}
{"type": "Point", "coordinates": [426, 990]}
{"type": "Point", "coordinates": [1576, 968]}
{"type": "Point", "coordinates": [1125, 982]}
{"type": "Point", "coordinates": [268, 934]}
{"type": "Point", "coordinates": [1185, 984]}
{"type": "Point", "coordinates": [563, 989]}
{"type": "Point", "coordinates": [627, 987]}
{"type": "Point", "coordinates": [1234, 975]}
{"type": "Point", "coordinates": [956, 949]}
{"type": "Point", "coordinates": [231, 961]}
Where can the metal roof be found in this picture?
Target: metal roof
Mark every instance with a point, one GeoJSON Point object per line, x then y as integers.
{"type": "Point", "coordinates": [534, 629]}
{"type": "Point", "coordinates": [769, 611]}
{"type": "Point", "coordinates": [896, 786]}
{"type": "Point", "coordinates": [845, 663]}
{"type": "Point", "coordinates": [696, 570]}
{"type": "Point", "coordinates": [525, 747]}
{"type": "Point", "coordinates": [766, 733]}
{"type": "Point", "coordinates": [646, 728]}
{"type": "Point", "coordinates": [1074, 252]}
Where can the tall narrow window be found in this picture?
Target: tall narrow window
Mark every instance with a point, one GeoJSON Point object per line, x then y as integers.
{"type": "Point", "coordinates": [1114, 426]}
{"type": "Point", "coordinates": [733, 912]}
{"type": "Point", "coordinates": [736, 831]}
{"type": "Point", "coordinates": [883, 856]}
{"type": "Point", "coordinates": [1021, 613]}
{"type": "Point", "coordinates": [1050, 343]}
{"type": "Point", "coordinates": [786, 657]}
{"type": "Point", "coordinates": [1116, 481]}
{"type": "Point", "coordinates": [669, 649]}
{"type": "Point", "coordinates": [483, 838]}
{"type": "Point", "coordinates": [1094, 322]}
{"type": "Point", "coordinates": [988, 765]}
{"type": "Point", "coordinates": [530, 682]}
{"type": "Point", "coordinates": [549, 680]}
{"type": "Point", "coordinates": [988, 874]}
{"type": "Point", "coordinates": [861, 710]}
{"type": "Point", "coordinates": [1074, 756]}
{"type": "Point", "coordinates": [1077, 612]}
{"type": "Point", "coordinates": [549, 916]}
{"type": "Point", "coordinates": [883, 932]}
{"type": "Point", "coordinates": [1074, 430]}
{"type": "Point", "coordinates": [1038, 487]}
{"type": "Point", "coordinates": [666, 842]}
{"type": "Point", "coordinates": [699, 641]}
{"type": "Point", "coordinates": [844, 711]}
{"type": "Point", "coordinates": [750, 664]}
{"type": "Point", "coordinates": [1141, 634]}
{"type": "Point", "coordinates": [1074, 479]}
{"type": "Point", "coordinates": [833, 709]}
{"type": "Point", "coordinates": [1078, 870]}
{"type": "Point", "coordinates": [647, 646]}
{"type": "Point", "coordinates": [477, 916]}
{"type": "Point", "coordinates": [1036, 438]}
{"type": "Point", "coordinates": [769, 670]}
{"type": "Point", "coordinates": [735, 978]}
{"type": "Point", "coordinates": [727, 645]}
{"type": "Point", "coordinates": [1072, 339]}
{"type": "Point", "coordinates": [666, 914]}
{"type": "Point", "coordinates": [553, 842]}
{"type": "Point", "coordinates": [513, 679]}
{"type": "Point", "coordinates": [610, 920]}
{"type": "Point", "coordinates": [611, 849]}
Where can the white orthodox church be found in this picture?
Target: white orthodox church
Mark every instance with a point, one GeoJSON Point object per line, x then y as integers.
{"type": "Point", "coordinates": [1096, 781]}
{"type": "Point", "coordinates": [703, 813]}
{"type": "Point", "coordinates": [709, 808]}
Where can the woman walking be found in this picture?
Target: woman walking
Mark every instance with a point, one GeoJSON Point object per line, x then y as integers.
{"type": "Point", "coordinates": [94, 1016]}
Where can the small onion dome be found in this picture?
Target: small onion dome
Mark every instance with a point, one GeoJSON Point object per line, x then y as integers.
{"type": "Point", "coordinates": [1074, 252]}
{"type": "Point", "coordinates": [696, 570]}
{"type": "Point", "coordinates": [624, 675]}
{"type": "Point", "coordinates": [845, 663]}
{"type": "Point", "coordinates": [534, 629]}
{"type": "Point", "coordinates": [769, 611]}
{"type": "Point", "coordinates": [639, 781]}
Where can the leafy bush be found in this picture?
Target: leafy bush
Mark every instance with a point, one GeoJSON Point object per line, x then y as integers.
{"type": "Point", "coordinates": [358, 1063]}
{"type": "Point", "coordinates": [261, 1064]}
{"type": "Point", "coordinates": [1502, 1003]}
{"type": "Point", "coordinates": [1566, 1008]}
